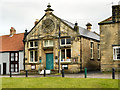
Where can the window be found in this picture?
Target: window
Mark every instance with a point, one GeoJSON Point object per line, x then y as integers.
{"type": "Point", "coordinates": [14, 62]}
{"type": "Point", "coordinates": [48, 43]}
{"type": "Point", "coordinates": [116, 53]}
{"type": "Point", "coordinates": [65, 41]}
{"type": "Point", "coordinates": [14, 67]}
{"type": "Point", "coordinates": [98, 51]}
{"type": "Point", "coordinates": [14, 56]}
{"type": "Point", "coordinates": [68, 41]}
{"type": "Point", "coordinates": [33, 44]}
{"type": "Point", "coordinates": [33, 56]}
{"type": "Point", "coordinates": [62, 41]}
{"type": "Point", "coordinates": [36, 43]}
{"type": "Point", "coordinates": [65, 55]}
{"type": "Point", "coordinates": [91, 50]}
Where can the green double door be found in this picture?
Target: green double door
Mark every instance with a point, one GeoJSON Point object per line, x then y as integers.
{"type": "Point", "coordinates": [49, 61]}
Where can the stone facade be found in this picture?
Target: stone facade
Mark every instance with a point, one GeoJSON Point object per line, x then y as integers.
{"type": "Point", "coordinates": [109, 38]}
{"type": "Point", "coordinates": [78, 50]}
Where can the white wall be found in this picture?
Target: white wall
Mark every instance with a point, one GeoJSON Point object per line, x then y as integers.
{"type": "Point", "coordinates": [4, 58]}
{"type": "Point", "coordinates": [21, 57]}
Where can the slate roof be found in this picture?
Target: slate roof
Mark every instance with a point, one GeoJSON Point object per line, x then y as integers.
{"type": "Point", "coordinates": [84, 32]}
{"type": "Point", "coordinates": [108, 20]}
{"type": "Point", "coordinates": [14, 43]}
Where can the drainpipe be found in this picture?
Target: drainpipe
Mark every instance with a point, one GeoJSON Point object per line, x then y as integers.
{"type": "Point", "coordinates": [80, 54]}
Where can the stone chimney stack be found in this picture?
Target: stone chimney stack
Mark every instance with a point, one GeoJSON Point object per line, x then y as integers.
{"type": "Point", "coordinates": [116, 13]}
{"type": "Point", "coordinates": [76, 27]}
{"type": "Point", "coordinates": [36, 22]}
{"type": "Point", "coordinates": [89, 26]}
{"type": "Point", "coordinates": [12, 31]}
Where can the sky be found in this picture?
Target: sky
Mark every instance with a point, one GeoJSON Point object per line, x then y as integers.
{"type": "Point", "coordinates": [21, 14]}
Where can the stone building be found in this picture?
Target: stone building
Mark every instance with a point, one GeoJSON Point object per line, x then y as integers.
{"type": "Point", "coordinates": [79, 47]}
{"type": "Point", "coordinates": [110, 40]}
{"type": "Point", "coordinates": [11, 52]}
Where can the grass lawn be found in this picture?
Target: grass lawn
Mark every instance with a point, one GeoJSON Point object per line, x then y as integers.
{"type": "Point", "coordinates": [58, 82]}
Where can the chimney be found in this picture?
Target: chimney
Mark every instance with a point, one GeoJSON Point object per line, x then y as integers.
{"type": "Point", "coordinates": [89, 26]}
{"type": "Point", "coordinates": [36, 22]}
{"type": "Point", "coordinates": [116, 13]}
{"type": "Point", "coordinates": [12, 31]}
{"type": "Point", "coordinates": [76, 27]}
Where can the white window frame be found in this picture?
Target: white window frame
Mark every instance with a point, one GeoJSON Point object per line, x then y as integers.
{"type": "Point", "coordinates": [65, 42]}
{"type": "Point", "coordinates": [48, 43]}
{"type": "Point", "coordinates": [33, 56]}
{"type": "Point", "coordinates": [99, 51]}
{"type": "Point", "coordinates": [65, 55]}
{"type": "Point", "coordinates": [33, 44]}
{"type": "Point", "coordinates": [115, 54]}
{"type": "Point", "coordinates": [92, 48]}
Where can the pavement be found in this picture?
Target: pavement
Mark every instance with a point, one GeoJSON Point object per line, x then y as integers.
{"type": "Point", "coordinates": [79, 75]}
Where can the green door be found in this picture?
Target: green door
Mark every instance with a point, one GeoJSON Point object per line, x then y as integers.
{"type": "Point", "coordinates": [49, 61]}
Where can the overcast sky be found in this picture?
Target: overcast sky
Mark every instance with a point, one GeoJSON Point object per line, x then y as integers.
{"type": "Point", "coordinates": [21, 14]}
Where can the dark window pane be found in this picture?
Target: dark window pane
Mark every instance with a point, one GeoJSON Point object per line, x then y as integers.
{"type": "Point", "coordinates": [36, 56]}
{"type": "Point", "coordinates": [31, 56]}
{"type": "Point", "coordinates": [36, 44]}
{"type": "Point", "coordinates": [31, 44]}
{"type": "Point", "coordinates": [62, 41]}
{"type": "Point", "coordinates": [68, 41]}
{"type": "Point", "coordinates": [62, 54]}
{"type": "Point", "coordinates": [91, 44]}
{"type": "Point", "coordinates": [68, 52]}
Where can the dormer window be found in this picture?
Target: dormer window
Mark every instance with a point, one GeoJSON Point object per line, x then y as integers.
{"type": "Point", "coordinates": [65, 41]}
{"type": "Point", "coordinates": [33, 44]}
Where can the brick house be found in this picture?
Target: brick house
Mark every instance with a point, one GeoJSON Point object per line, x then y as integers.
{"type": "Point", "coordinates": [110, 40]}
{"type": "Point", "coordinates": [79, 47]}
{"type": "Point", "coordinates": [11, 52]}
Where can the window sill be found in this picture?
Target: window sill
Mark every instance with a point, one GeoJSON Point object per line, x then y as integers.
{"type": "Point", "coordinates": [116, 59]}
{"type": "Point", "coordinates": [34, 48]}
{"type": "Point", "coordinates": [98, 59]}
{"type": "Point", "coordinates": [33, 62]}
{"type": "Point", "coordinates": [92, 59]}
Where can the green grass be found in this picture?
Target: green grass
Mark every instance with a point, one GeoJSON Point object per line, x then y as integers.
{"type": "Point", "coordinates": [58, 82]}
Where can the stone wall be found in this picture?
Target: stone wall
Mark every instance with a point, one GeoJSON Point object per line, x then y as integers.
{"type": "Point", "coordinates": [109, 36]}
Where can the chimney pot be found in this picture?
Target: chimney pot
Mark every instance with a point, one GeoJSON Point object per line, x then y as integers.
{"type": "Point", "coordinates": [12, 31]}
{"type": "Point", "coordinates": [89, 26]}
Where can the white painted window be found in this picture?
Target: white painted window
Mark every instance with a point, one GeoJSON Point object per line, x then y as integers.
{"type": "Point", "coordinates": [48, 43]}
{"type": "Point", "coordinates": [91, 49]}
{"type": "Point", "coordinates": [116, 53]}
{"type": "Point", "coordinates": [33, 44]}
{"type": "Point", "coordinates": [65, 55]}
{"type": "Point", "coordinates": [33, 56]}
{"type": "Point", "coordinates": [65, 41]}
{"type": "Point", "coordinates": [98, 51]}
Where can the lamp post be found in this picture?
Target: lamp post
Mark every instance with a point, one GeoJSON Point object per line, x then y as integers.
{"type": "Point", "coordinates": [59, 47]}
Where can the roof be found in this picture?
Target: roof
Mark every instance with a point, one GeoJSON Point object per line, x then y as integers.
{"type": "Point", "coordinates": [108, 20]}
{"type": "Point", "coordinates": [14, 43]}
{"type": "Point", "coordinates": [84, 32]}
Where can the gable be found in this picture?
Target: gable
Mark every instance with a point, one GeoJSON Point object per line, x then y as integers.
{"type": "Point", "coordinates": [38, 30]}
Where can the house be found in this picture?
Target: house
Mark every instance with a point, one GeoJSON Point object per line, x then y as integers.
{"type": "Point", "coordinates": [110, 40]}
{"type": "Point", "coordinates": [79, 47]}
{"type": "Point", "coordinates": [11, 52]}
